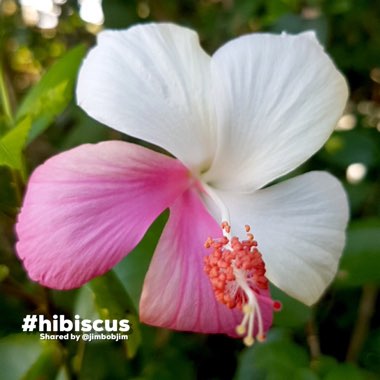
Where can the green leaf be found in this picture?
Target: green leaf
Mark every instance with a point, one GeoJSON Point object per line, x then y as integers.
{"type": "Point", "coordinates": [132, 269]}
{"type": "Point", "coordinates": [86, 130]}
{"type": "Point", "coordinates": [50, 96]}
{"type": "Point", "coordinates": [5, 101]}
{"type": "Point", "coordinates": [345, 148]}
{"type": "Point", "coordinates": [370, 355]}
{"type": "Point", "coordinates": [12, 143]}
{"type": "Point", "coordinates": [48, 363]}
{"type": "Point", "coordinates": [17, 354]}
{"type": "Point", "coordinates": [168, 364]}
{"type": "Point", "coordinates": [305, 374]}
{"type": "Point", "coordinates": [324, 365]}
{"type": "Point", "coordinates": [345, 372]}
{"type": "Point", "coordinates": [84, 303]}
{"type": "Point", "coordinates": [277, 358]}
{"type": "Point", "coordinates": [105, 297]}
{"type": "Point", "coordinates": [113, 302]}
{"type": "Point", "coordinates": [111, 299]}
{"type": "Point", "coordinates": [62, 374]}
{"type": "Point", "coordinates": [103, 360]}
{"type": "Point", "coordinates": [361, 259]}
{"type": "Point", "coordinates": [293, 313]}
{"type": "Point", "coordinates": [4, 272]}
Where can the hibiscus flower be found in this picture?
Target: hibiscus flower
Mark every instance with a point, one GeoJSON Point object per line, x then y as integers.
{"type": "Point", "coordinates": [233, 123]}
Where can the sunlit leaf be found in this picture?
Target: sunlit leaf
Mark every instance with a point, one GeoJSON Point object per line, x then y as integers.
{"type": "Point", "coordinates": [85, 305]}
{"type": "Point", "coordinates": [48, 364]}
{"type": "Point", "coordinates": [17, 355]}
{"type": "Point", "coordinates": [52, 93]}
{"type": "Point", "coordinates": [12, 143]}
{"type": "Point", "coordinates": [4, 272]}
{"type": "Point", "coordinates": [62, 374]}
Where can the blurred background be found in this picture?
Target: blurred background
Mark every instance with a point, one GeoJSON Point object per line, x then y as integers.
{"type": "Point", "coordinates": [42, 43]}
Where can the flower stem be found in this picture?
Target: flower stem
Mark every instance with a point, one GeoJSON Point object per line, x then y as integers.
{"type": "Point", "coordinates": [313, 341]}
{"type": "Point", "coordinates": [366, 310]}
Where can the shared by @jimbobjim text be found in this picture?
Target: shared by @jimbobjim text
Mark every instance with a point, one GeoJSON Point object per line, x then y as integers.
{"type": "Point", "coordinates": [59, 327]}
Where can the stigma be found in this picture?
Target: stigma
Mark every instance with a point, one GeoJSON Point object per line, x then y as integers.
{"type": "Point", "coordinates": [237, 274]}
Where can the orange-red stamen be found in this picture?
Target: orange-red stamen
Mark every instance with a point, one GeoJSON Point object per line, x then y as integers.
{"type": "Point", "coordinates": [237, 275]}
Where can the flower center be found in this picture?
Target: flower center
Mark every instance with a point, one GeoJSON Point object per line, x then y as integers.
{"type": "Point", "coordinates": [237, 274]}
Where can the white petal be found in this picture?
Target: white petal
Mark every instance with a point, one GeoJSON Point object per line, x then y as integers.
{"type": "Point", "coordinates": [152, 82]}
{"type": "Point", "coordinates": [300, 226]}
{"type": "Point", "coordinates": [278, 98]}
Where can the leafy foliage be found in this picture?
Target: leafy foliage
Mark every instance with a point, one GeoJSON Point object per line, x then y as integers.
{"type": "Point", "coordinates": [52, 93]}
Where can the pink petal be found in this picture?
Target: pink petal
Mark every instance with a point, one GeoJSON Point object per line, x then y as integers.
{"type": "Point", "coordinates": [177, 294]}
{"type": "Point", "coordinates": [85, 209]}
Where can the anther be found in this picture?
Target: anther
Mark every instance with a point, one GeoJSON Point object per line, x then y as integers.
{"type": "Point", "coordinates": [248, 341]}
{"type": "Point", "coordinates": [247, 309]}
{"type": "Point", "coordinates": [261, 337]}
{"type": "Point", "coordinates": [226, 227]}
